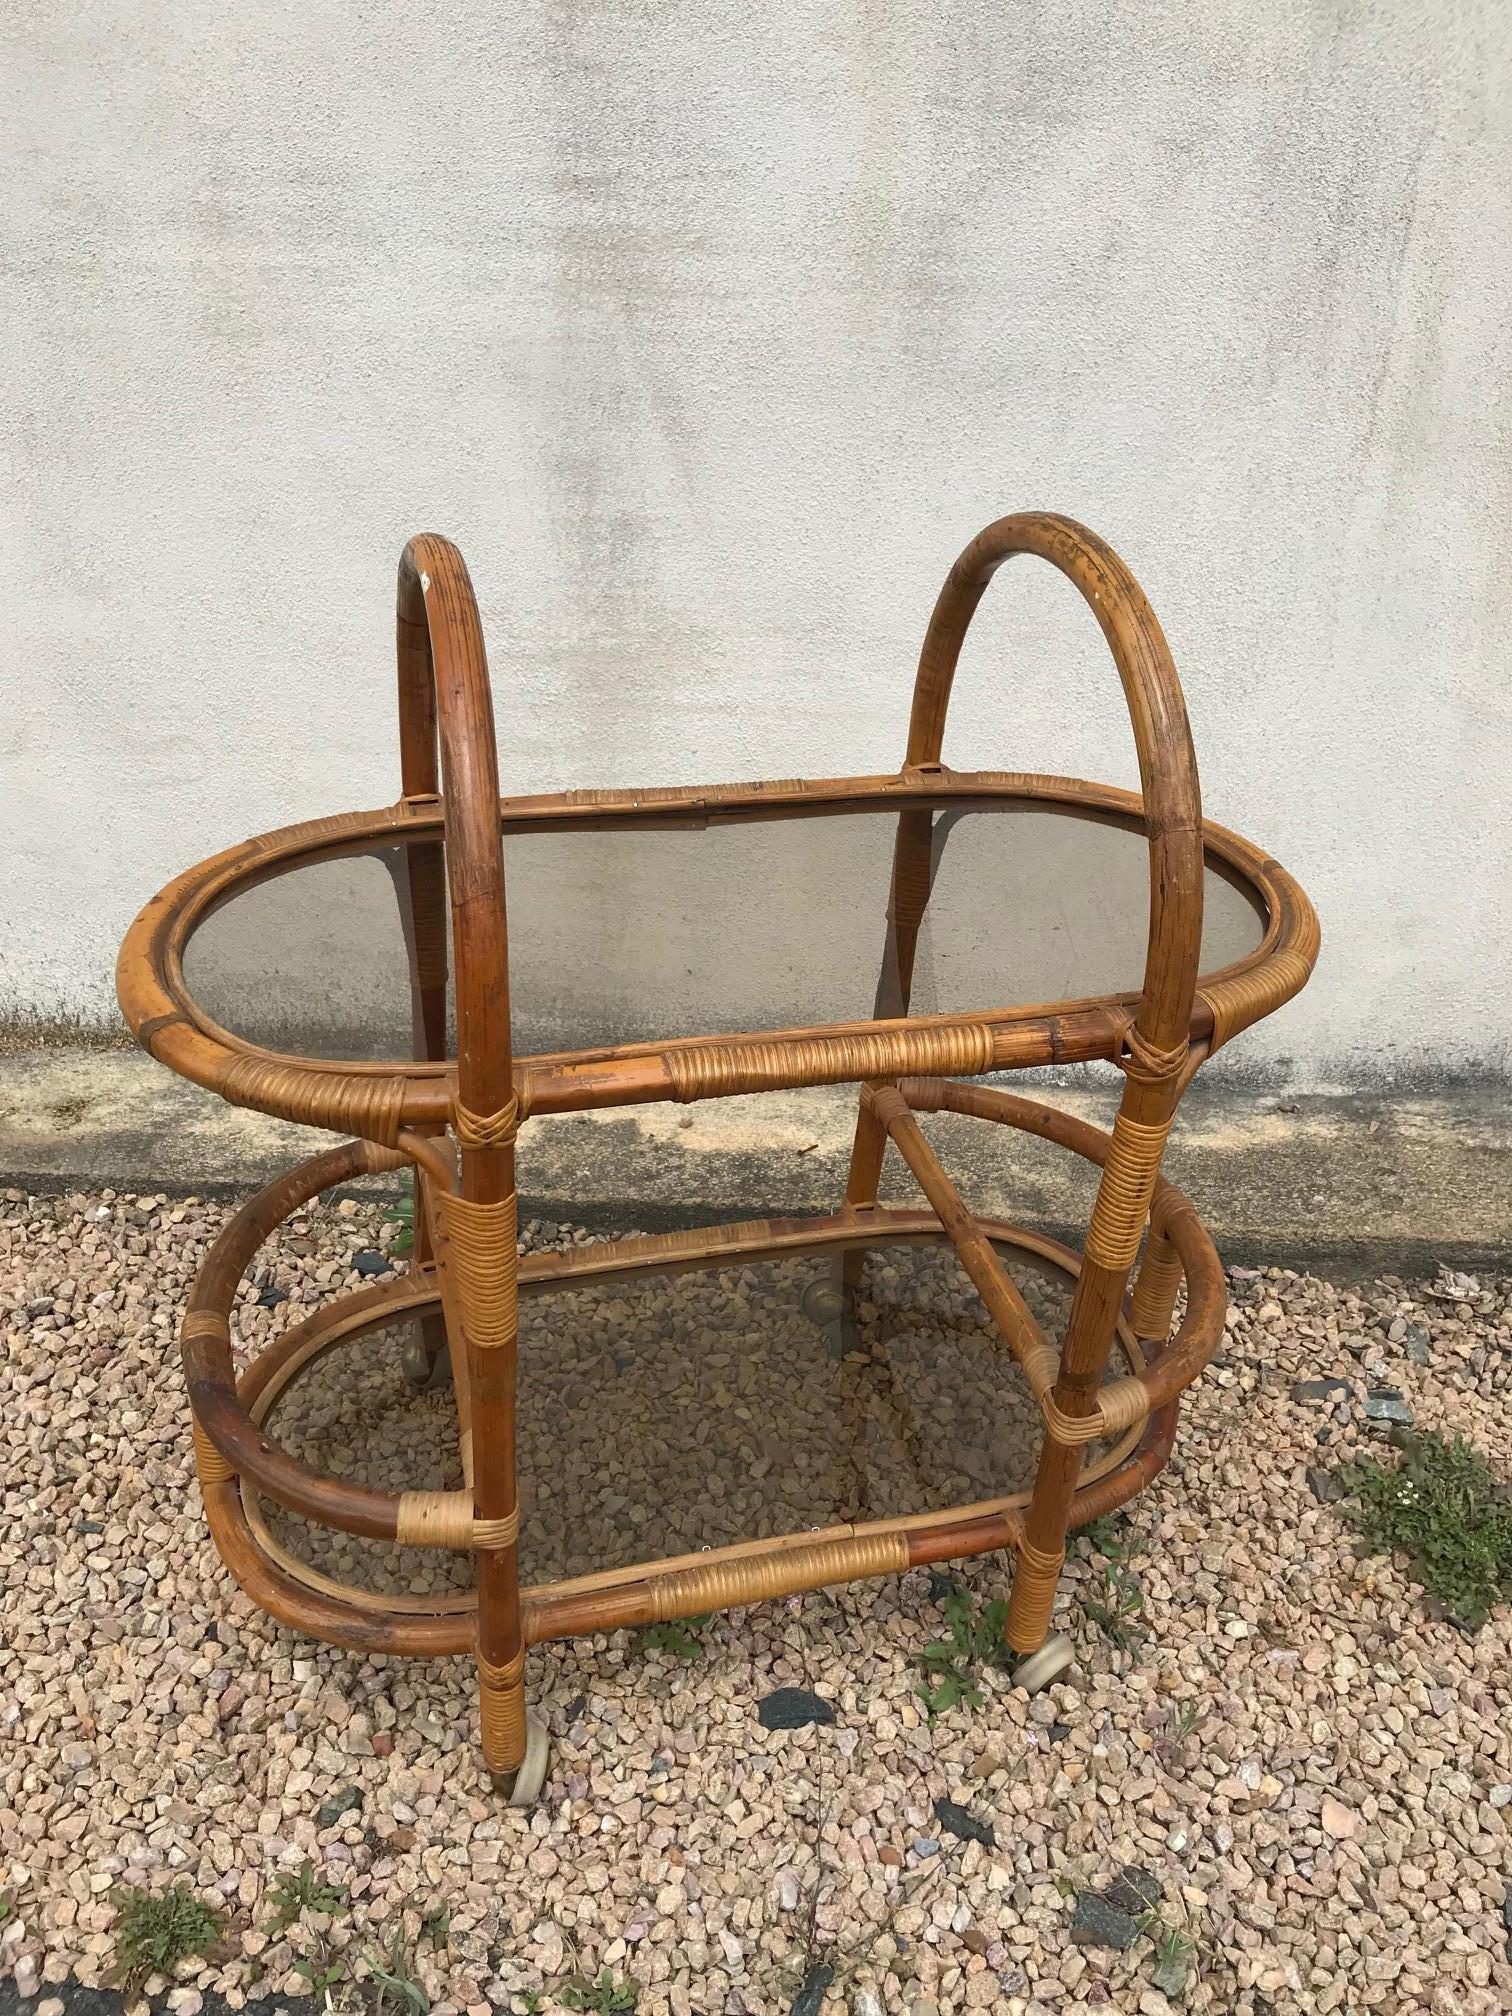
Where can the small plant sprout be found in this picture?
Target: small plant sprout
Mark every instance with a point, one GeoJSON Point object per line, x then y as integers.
{"type": "Point", "coordinates": [1115, 1612]}
{"type": "Point", "coordinates": [402, 1218]}
{"type": "Point", "coordinates": [1101, 1535]}
{"type": "Point", "coordinates": [321, 1973]}
{"type": "Point", "coordinates": [679, 1637]}
{"type": "Point", "coordinates": [1117, 1607]}
{"type": "Point", "coordinates": [304, 1890]}
{"type": "Point", "coordinates": [605, 1997]}
{"type": "Point", "coordinates": [435, 1925]}
{"type": "Point", "coordinates": [392, 1975]}
{"type": "Point", "coordinates": [1185, 1715]}
{"type": "Point", "coordinates": [951, 1664]}
{"type": "Point", "coordinates": [154, 1934]}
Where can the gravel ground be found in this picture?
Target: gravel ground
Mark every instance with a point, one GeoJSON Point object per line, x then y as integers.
{"type": "Point", "coordinates": [1313, 1771]}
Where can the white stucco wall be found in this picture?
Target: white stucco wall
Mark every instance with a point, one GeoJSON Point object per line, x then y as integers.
{"type": "Point", "coordinates": [710, 334]}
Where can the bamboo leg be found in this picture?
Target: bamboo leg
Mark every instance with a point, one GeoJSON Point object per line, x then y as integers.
{"type": "Point", "coordinates": [912, 868]}
{"type": "Point", "coordinates": [1123, 1202]}
{"type": "Point", "coordinates": [481, 1240]}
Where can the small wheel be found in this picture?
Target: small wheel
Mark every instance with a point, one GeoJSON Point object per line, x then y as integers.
{"type": "Point", "coordinates": [531, 1775]}
{"type": "Point", "coordinates": [422, 1374]}
{"type": "Point", "coordinates": [1053, 1661]}
{"type": "Point", "coordinates": [823, 1303]}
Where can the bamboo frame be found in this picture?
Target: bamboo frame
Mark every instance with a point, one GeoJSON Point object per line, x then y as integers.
{"type": "Point", "coordinates": [467, 1279]}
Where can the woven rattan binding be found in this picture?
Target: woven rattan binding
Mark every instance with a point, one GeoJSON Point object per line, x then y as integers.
{"type": "Point", "coordinates": [485, 1130]}
{"type": "Point", "coordinates": [726, 1583]}
{"type": "Point", "coordinates": [501, 1709]}
{"type": "Point", "coordinates": [209, 1465]}
{"type": "Point", "coordinates": [1123, 1196]}
{"type": "Point", "coordinates": [339, 1100]}
{"type": "Point", "coordinates": [713, 1071]}
{"type": "Point", "coordinates": [1038, 1573]}
{"type": "Point", "coordinates": [484, 1257]}
{"type": "Point", "coordinates": [1245, 999]}
{"type": "Point", "coordinates": [446, 1519]}
{"type": "Point", "coordinates": [1155, 1290]}
{"type": "Point", "coordinates": [1146, 1063]}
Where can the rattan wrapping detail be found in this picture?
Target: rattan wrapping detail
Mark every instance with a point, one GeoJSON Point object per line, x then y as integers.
{"type": "Point", "coordinates": [1032, 1597]}
{"type": "Point", "coordinates": [714, 1071]}
{"type": "Point", "coordinates": [1145, 1062]}
{"type": "Point", "coordinates": [1248, 996]}
{"type": "Point", "coordinates": [1120, 1404]}
{"type": "Point", "coordinates": [307, 833]}
{"type": "Point", "coordinates": [342, 1101]}
{"type": "Point", "coordinates": [1155, 1290]}
{"type": "Point", "coordinates": [209, 1465]}
{"type": "Point", "coordinates": [501, 1711]}
{"type": "Point", "coordinates": [486, 1130]}
{"type": "Point", "coordinates": [1038, 1573]}
{"type": "Point", "coordinates": [782, 1572]}
{"type": "Point", "coordinates": [483, 1256]}
{"type": "Point", "coordinates": [1123, 1196]}
{"type": "Point", "coordinates": [1041, 1363]}
{"type": "Point", "coordinates": [446, 1519]}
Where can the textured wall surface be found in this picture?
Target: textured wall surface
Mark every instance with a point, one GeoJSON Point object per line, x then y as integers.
{"type": "Point", "coordinates": [711, 334]}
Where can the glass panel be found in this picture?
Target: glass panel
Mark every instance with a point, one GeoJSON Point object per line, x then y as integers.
{"type": "Point", "coordinates": [632, 934]}
{"type": "Point", "coordinates": [668, 1414]}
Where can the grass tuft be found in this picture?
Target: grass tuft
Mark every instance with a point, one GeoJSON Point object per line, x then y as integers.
{"type": "Point", "coordinates": [1446, 1507]}
{"type": "Point", "coordinates": [1117, 1609]}
{"type": "Point", "coordinates": [402, 1217]}
{"type": "Point", "coordinates": [153, 1934]}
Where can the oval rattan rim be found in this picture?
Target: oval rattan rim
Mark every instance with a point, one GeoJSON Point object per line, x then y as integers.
{"type": "Point", "coordinates": [166, 1019]}
{"type": "Point", "coordinates": [304, 1343]}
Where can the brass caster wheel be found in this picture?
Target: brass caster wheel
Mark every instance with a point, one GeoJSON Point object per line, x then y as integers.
{"type": "Point", "coordinates": [1038, 1670]}
{"type": "Point", "coordinates": [531, 1776]}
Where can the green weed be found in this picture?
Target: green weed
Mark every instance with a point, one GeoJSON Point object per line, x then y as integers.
{"type": "Point", "coordinates": [1185, 1715]}
{"type": "Point", "coordinates": [153, 1934]}
{"type": "Point", "coordinates": [402, 1216]}
{"type": "Point", "coordinates": [951, 1664]}
{"type": "Point", "coordinates": [678, 1636]}
{"type": "Point", "coordinates": [1446, 1507]}
{"type": "Point", "coordinates": [606, 1996]}
{"type": "Point", "coordinates": [392, 1974]}
{"type": "Point", "coordinates": [1116, 1610]}
{"type": "Point", "coordinates": [303, 1891]}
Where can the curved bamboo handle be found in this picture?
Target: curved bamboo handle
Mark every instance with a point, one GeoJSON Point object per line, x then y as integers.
{"type": "Point", "coordinates": [442, 665]}
{"type": "Point", "coordinates": [444, 692]}
{"type": "Point", "coordinates": [1162, 738]}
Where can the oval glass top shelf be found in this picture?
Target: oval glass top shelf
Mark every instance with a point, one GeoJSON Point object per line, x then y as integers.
{"type": "Point", "coordinates": [667, 929]}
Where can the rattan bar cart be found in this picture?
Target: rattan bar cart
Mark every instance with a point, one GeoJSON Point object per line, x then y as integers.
{"type": "Point", "coordinates": [447, 1097]}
